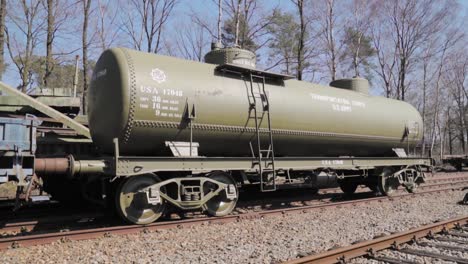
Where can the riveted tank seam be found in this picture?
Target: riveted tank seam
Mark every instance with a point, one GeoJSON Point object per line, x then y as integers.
{"type": "Point", "coordinates": [237, 129]}
{"type": "Point", "coordinates": [131, 114]}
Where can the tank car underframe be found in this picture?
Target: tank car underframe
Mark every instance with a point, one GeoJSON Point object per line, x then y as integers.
{"type": "Point", "coordinates": [210, 183]}
{"type": "Point", "coordinates": [196, 171]}
{"type": "Point", "coordinates": [130, 166]}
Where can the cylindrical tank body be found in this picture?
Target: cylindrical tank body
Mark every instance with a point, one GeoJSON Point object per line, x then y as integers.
{"type": "Point", "coordinates": [143, 100]}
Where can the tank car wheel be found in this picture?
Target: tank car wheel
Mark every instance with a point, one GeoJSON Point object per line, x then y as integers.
{"type": "Point", "coordinates": [387, 185]}
{"type": "Point", "coordinates": [220, 205]}
{"type": "Point", "coordinates": [131, 203]}
{"type": "Point", "coordinates": [348, 187]}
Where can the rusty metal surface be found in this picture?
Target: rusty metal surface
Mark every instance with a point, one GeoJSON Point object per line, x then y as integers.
{"type": "Point", "coordinates": [364, 248]}
{"type": "Point", "coordinates": [69, 167]}
{"type": "Point", "coordinates": [52, 166]}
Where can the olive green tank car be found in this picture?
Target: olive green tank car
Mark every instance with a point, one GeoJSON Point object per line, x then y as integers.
{"type": "Point", "coordinates": [178, 135]}
{"type": "Point", "coordinates": [146, 100]}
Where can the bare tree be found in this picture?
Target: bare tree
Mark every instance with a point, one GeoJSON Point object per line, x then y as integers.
{"type": "Point", "coordinates": [451, 38]}
{"type": "Point", "coordinates": [428, 54]}
{"type": "Point", "coordinates": [456, 80]}
{"type": "Point", "coordinates": [325, 13]}
{"type": "Point", "coordinates": [302, 38]}
{"type": "Point", "coordinates": [145, 27]}
{"type": "Point", "coordinates": [190, 43]}
{"type": "Point", "coordinates": [358, 45]}
{"type": "Point", "coordinates": [435, 117]}
{"type": "Point", "coordinates": [386, 58]}
{"type": "Point", "coordinates": [412, 23]}
{"type": "Point", "coordinates": [106, 24]}
{"type": "Point", "coordinates": [250, 18]}
{"type": "Point", "coordinates": [27, 22]}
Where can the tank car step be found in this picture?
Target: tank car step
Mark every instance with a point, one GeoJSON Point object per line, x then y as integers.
{"type": "Point", "coordinates": [39, 198]}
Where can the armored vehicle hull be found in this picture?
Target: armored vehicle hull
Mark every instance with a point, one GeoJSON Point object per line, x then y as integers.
{"type": "Point", "coordinates": [145, 100]}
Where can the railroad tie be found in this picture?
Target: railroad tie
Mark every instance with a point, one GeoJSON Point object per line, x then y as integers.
{"type": "Point", "coordinates": [424, 253]}
{"type": "Point", "coordinates": [448, 247]}
{"type": "Point", "coordinates": [454, 240]}
{"type": "Point", "coordinates": [391, 260]}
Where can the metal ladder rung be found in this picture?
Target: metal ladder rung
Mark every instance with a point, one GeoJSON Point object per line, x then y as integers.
{"type": "Point", "coordinates": [266, 164]}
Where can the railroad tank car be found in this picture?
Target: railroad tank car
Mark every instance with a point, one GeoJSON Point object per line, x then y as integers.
{"type": "Point", "coordinates": [145, 100]}
{"type": "Point", "coordinates": [145, 111]}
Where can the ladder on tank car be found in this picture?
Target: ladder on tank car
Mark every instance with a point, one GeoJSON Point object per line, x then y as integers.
{"type": "Point", "coordinates": [259, 110]}
{"type": "Point", "coordinates": [264, 158]}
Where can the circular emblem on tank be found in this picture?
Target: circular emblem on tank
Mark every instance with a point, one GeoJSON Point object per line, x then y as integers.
{"type": "Point", "coordinates": [158, 75]}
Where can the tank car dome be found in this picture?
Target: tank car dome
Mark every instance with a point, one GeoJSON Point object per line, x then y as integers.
{"type": "Point", "coordinates": [230, 55]}
{"type": "Point", "coordinates": [356, 84]}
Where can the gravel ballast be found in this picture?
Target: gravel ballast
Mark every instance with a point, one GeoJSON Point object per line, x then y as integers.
{"type": "Point", "coordinates": [272, 239]}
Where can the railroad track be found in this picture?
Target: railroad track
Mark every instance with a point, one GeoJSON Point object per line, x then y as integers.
{"type": "Point", "coordinates": [43, 218]}
{"type": "Point", "coordinates": [6, 201]}
{"type": "Point", "coordinates": [454, 231]}
{"type": "Point", "coordinates": [445, 179]}
{"type": "Point", "coordinates": [90, 233]}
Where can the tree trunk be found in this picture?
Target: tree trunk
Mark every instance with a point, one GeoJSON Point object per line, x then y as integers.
{"type": "Point", "coordinates": [423, 114]}
{"type": "Point", "coordinates": [402, 78]}
{"type": "Point", "coordinates": [356, 55]}
{"type": "Point", "coordinates": [236, 40]}
{"type": "Point", "coordinates": [331, 40]}
{"type": "Point", "coordinates": [300, 50]}
{"type": "Point", "coordinates": [50, 39]}
{"type": "Point", "coordinates": [2, 36]}
{"type": "Point", "coordinates": [220, 17]}
{"type": "Point", "coordinates": [449, 129]}
{"type": "Point", "coordinates": [86, 7]}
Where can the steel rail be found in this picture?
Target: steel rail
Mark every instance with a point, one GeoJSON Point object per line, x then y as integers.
{"type": "Point", "coordinates": [428, 183]}
{"type": "Point", "coordinates": [372, 246]}
{"type": "Point", "coordinates": [30, 225]}
{"type": "Point", "coordinates": [447, 179]}
{"type": "Point", "coordinates": [31, 240]}
{"type": "Point", "coordinates": [463, 181]}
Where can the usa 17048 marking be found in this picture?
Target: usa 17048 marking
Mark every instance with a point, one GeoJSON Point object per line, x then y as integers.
{"type": "Point", "coordinates": [332, 162]}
